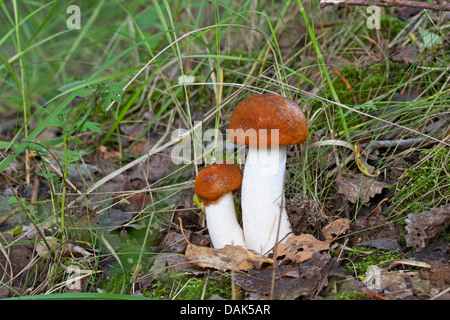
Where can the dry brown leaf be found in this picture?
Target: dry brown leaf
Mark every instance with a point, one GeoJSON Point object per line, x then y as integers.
{"type": "Point", "coordinates": [291, 281]}
{"type": "Point", "coordinates": [406, 55]}
{"type": "Point", "coordinates": [407, 12]}
{"type": "Point", "coordinates": [228, 258]}
{"type": "Point", "coordinates": [359, 188]}
{"type": "Point", "coordinates": [301, 248]}
{"type": "Point", "coordinates": [424, 227]}
{"type": "Point", "coordinates": [336, 228]}
{"type": "Point", "coordinates": [105, 153]}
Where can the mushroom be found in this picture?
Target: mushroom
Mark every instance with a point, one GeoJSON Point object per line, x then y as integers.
{"type": "Point", "coordinates": [266, 123]}
{"type": "Point", "coordinates": [214, 185]}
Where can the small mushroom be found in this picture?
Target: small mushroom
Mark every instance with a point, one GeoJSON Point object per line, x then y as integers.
{"type": "Point", "coordinates": [214, 185]}
{"type": "Point", "coordinates": [262, 192]}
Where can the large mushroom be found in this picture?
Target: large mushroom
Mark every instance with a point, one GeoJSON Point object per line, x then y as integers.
{"type": "Point", "coordinates": [214, 185]}
{"type": "Point", "coordinates": [266, 123]}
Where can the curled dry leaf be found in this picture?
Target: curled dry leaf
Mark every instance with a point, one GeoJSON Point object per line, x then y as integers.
{"type": "Point", "coordinates": [359, 188]}
{"type": "Point", "coordinates": [335, 228]}
{"type": "Point", "coordinates": [406, 55]}
{"type": "Point", "coordinates": [291, 281]}
{"type": "Point", "coordinates": [301, 248]}
{"type": "Point", "coordinates": [227, 258]}
{"type": "Point", "coordinates": [424, 227]}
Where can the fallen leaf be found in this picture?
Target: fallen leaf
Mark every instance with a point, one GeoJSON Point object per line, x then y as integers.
{"type": "Point", "coordinates": [141, 198]}
{"type": "Point", "coordinates": [406, 55]}
{"type": "Point", "coordinates": [407, 12]}
{"type": "Point", "coordinates": [139, 148]}
{"type": "Point", "coordinates": [105, 153]}
{"type": "Point", "coordinates": [300, 248]}
{"type": "Point", "coordinates": [113, 218]}
{"type": "Point", "coordinates": [163, 265]}
{"type": "Point", "coordinates": [359, 188]}
{"type": "Point", "coordinates": [335, 228]}
{"type": "Point", "coordinates": [381, 243]}
{"type": "Point", "coordinates": [291, 282]}
{"type": "Point", "coordinates": [174, 242]}
{"type": "Point", "coordinates": [228, 258]}
{"type": "Point", "coordinates": [372, 229]}
{"type": "Point", "coordinates": [424, 227]}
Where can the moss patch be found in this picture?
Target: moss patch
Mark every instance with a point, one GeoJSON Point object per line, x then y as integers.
{"type": "Point", "coordinates": [367, 83]}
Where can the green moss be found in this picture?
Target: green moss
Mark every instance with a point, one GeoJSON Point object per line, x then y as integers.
{"type": "Point", "coordinates": [423, 187]}
{"type": "Point", "coordinates": [361, 261]}
{"type": "Point", "coordinates": [186, 287]}
{"type": "Point", "coordinates": [351, 296]}
{"type": "Point", "coordinates": [367, 83]}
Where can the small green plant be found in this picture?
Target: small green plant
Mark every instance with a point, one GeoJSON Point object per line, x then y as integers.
{"type": "Point", "coordinates": [111, 92]}
{"type": "Point", "coordinates": [158, 291]}
{"type": "Point", "coordinates": [355, 295]}
{"type": "Point", "coordinates": [360, 260]}
{"type": "Point", "coordinates": [186, 287]}
{"type": "Point", "coordinates": [14, 202]}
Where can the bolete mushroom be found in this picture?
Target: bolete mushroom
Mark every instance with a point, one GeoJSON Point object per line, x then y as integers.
{"type": "Point", "coordinates": [266, 123]}
{"type": "Point", "coordinates": [214, 185]}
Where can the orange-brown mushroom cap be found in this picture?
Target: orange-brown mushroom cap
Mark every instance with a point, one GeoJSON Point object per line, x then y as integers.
{"type": "Point", "coordinates": [268, 111]}
{"type": "Point", "coordinates": [216, 180]}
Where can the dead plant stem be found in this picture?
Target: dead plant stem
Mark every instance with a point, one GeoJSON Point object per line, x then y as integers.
{"type": "Point", "coordinates": [438, 5]}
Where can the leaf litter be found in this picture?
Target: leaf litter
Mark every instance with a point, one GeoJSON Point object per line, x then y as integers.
{"type": "Point", "coordinates": [307, 264]}
{"type": "Point", "coordinates": [422, 228]}
{"type": "Point", "coordinates": [359, 188]}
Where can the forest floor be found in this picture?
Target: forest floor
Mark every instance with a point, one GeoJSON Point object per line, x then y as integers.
{"type": "Point", "coordinates": [97, 204]}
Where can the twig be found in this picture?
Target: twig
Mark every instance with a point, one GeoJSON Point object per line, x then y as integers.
{"type": "Point", "coordinates": [35, 190]}
{"type": "Point", "coordinates": [376, 208]}
{"type": "Point", "coordinates": [411, 142]}
{"type": "Point", "coordinates": [275, 248]}
{"type": "Point", "coordinates": [339, 258]}
{"type": "Point", "coordinates": [182, 231]}
{"type": "Point", "coordinates": [440, 294]}
{"type": "Point", "coordinates": [438, 5]}
{"type": "Point", "coordinates": [397, 144]}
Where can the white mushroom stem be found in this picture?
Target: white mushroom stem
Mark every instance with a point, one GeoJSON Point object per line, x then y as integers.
{"type": "Point", "coordinates": [262, 196]}
{"type": "Point", "coordinates": [222, 223]}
